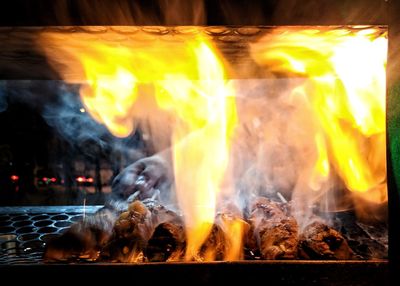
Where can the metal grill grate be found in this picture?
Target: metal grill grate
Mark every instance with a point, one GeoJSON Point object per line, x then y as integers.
{"type": "Point", "coordinates": [27, 230]}
{"type": "Point", "coordinates": [24, 231]}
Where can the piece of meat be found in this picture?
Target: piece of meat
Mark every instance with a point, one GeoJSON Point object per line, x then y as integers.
{"type": "Point", "coordinates": [225, 241]}
{"type": "Point", "coordinates": [273, 231]}
{"type": "Point", "coordinates": [319, 241]}
{"type": "Point", "coordinates": [115, 229]}
{"type": "Point", "coordinates": [84, 239]}
{"type": "Point", "coordinates": [168, 242]}
{"type": "Point", "coordinates": [133, 230]}
{"type": "Point", "coordinates": [213, 247]}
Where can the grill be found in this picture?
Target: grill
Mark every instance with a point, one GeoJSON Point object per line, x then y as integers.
{"type": "Point", "coordinates": [25, 230]}
{"type": "Point", "coordinates": [232, 42]}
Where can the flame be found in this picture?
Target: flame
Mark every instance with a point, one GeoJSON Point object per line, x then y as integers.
{"type": "Point", "coordinates": [186, 78]}
{"type": "Point", "coordinates": [234, 230]}
{"type": "Point", "coordinates": [201, 143]}
{"type": "Point", "coordinates": [321, 167]}
{"type": "Point", "coordinates": [117, 90]}
{"type": "Point", "coordinates": [345, 71]}
{"type": "Point", "coordinates": [344, 84]}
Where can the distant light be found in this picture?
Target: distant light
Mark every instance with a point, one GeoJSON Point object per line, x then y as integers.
{"type": "Point", "coordinates": [82, 110]}
{"type": "Point", "coordinates": [53, 180]}
{"type": "Point", "coordinates": [14, 178]}
{"type": "Point", "coordinates": [81, 179]}
{"type": "Point", "coordinates": [89, 180]}
{"type": "Point", "coordinates": [44, 179]}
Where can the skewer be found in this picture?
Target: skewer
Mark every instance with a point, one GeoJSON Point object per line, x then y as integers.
{"type": "Point", "coordinates": [281, 197]}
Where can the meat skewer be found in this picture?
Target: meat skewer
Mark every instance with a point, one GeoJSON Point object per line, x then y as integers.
{"type": "Point", "coordinates": [147, 231]}
{"type": "Point", "coordinates": [84, 239]}
{"type": "Point", "coordinates": [273, 232]}
{"type": "Point", "coordinates": [131, 231]}
{"type": "Point", "coordinates": [319, 241]}
{"type": "Point", "coordinates": [167, 243]}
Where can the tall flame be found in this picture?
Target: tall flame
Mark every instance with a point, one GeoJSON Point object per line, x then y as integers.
{"type": "Point", "coordinates": [206, 109]}
{"type": "Point", "coordinates": [187, 79]}
{"type": "Point", "coordinates": [346, 86]}
{"type": "Point", "coordinates": [343, 84]}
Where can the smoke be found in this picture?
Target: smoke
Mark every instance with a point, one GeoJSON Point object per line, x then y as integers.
{"type": "Point", "coordinates": [69, 118]}
{"type": "Point", "coordinates": [273, 152]}
{"type": "Point", "coordinates": [71, 143]}
{"type": "Point", "coordinates": [72, 122]}
{"type": "Point", "coordinates": [59, 104]}
{"type": "Point", "coordinates": [275, 147]}
{"type": "Point", "coordinates": [270, 157]}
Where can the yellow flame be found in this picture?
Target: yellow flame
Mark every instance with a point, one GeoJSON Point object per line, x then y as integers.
{"type": "Point", "coordinates": [234, 231]}
{"type": "Point", "coordinates": [186, 78]}
{"type": "Point", "coordinates": [201, 143]}
{"type": "Point", "coordinates": [108, 97]}
{"type": "Point", "coordinates": [346, 86]}
{"type": "Point", "coordinates": [321, 168]}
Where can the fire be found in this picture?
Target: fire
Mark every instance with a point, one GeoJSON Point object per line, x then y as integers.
{"type": "Point", "coordinates": [201, 140]}
{"type": "Point", "coordinates": [342, 73]}
{"type": "Point", "coordinates": [185, 78]}
{"type": "Point", "coordinates": [346, 87]}
{"type": "Point", "coordinates": [321, 167]}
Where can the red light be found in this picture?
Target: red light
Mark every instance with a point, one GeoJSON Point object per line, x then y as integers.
{"type": "Point", "coordinates": [53, 180]}
{"type": "Point", "coordinates": [44, 179]}
{"type": "Point", "coordinates": [89, 180]}
{"type": "Point", "coordinates": [81, 179]}
{"type": "Point", "coordinates": [14, 178]}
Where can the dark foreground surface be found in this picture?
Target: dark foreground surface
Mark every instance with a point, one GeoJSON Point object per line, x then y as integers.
{"type": "Point", "coordinates": [214, 273]}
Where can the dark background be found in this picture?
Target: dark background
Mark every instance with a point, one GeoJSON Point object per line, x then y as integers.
{"type": "Point", "coordinates": [195, 12]}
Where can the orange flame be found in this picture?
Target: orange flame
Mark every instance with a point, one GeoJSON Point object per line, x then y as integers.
{"type": "Point", "coordinates": [187, 79]}
{"type": "Point", "coordinates": [321, 167]}
{"type": "Point", "coordinates": [201, 143]}
{"type": "Point", "coordinates": [234, 230]}
{"type": "Point", "coordinates": [346, 86]}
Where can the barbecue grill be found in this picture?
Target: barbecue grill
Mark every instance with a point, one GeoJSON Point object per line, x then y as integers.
{"type": "Point", "coordinates": [25, 230]}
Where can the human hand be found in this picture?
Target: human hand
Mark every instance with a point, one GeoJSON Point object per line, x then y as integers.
{"type": "Point", "coordinates": [143, 179]}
